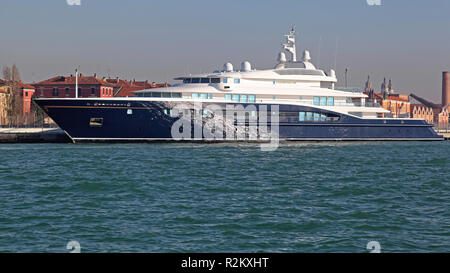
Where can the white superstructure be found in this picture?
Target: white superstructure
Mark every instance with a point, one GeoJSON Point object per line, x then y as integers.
{"type": "Point", "coordinates": [289, 82]}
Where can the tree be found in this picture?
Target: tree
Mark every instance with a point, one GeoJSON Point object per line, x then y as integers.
{"type": "Point", "coordinates": [7, 73]}
{"type": "Point", "coordinates": [15, 75]}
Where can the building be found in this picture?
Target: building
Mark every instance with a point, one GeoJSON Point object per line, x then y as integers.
{"type": "Point", "coordinates": [64, 87]}
{"type": "Point", "coordinates": [5, 91]}
{"type": "Point", "coordinates": [26, 92]}
{"type": "Point", "coordinates": [124, 88]}
{"type": "Point", "coordinates": [398, 104]}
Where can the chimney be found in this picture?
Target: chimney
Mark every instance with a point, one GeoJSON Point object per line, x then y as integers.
{"type": "Point", "coordinates": [445, 89]}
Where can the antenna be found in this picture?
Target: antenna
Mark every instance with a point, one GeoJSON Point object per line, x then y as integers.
{"type": "Point", "coordinates": [76, 83]}
{"type": "Point", "coordinates": [289, 46]}
{"type": "Point", "coordinates": [335, 54]}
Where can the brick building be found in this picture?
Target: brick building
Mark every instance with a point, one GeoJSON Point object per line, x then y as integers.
{"type": "Point", "coordinates": [123, 88]}
{"type": "Point", "coordinates": [5, 90]}
{"type": "Point", "coordinates": [64, 87]}
{"type": "Point", "coordinates": [26, 92]}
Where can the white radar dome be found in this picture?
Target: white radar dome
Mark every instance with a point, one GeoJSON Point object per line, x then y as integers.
{"type": "Point", "coordinates": [332, 73]}
{"type": "Point", "coordinates": [281, 57]}
{"type": "Point", "coordinates": [228, 67]}
{"type": "Point", "coordinates": [306, 56]}
{"type": "Point", "coordinates": [246, 66]}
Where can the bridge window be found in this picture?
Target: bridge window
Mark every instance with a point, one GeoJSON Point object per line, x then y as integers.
{"type": "Point", "coordinates": [316, 101]}
{"type": "Point", "coordinates": [187, 81]}
{"type": "Point", "coordinates": [330, 101]}
{"type": "Point", "coordinates": [225, 80]}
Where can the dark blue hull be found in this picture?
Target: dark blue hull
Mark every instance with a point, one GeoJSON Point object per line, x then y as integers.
{"type": "Point", "coordinates": [139, 120]}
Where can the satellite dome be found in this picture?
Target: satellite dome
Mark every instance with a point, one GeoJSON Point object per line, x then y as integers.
{"type": "Point", "coordinates": [228, 67]}
{"type": "Point", "coordinates": [246, 66]}
{"type": "Point", "coordinates": [306, 56]}
{"type": "Point", "coordinates": [332, 73]}
{"type": "Point", "coordinates": [281, 57]}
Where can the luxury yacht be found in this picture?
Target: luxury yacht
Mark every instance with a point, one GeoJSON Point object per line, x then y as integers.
{"type": "Point", "coordinates": [292, 101]}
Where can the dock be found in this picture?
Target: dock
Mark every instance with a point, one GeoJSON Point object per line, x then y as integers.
{"type": "Point", "coordinates": [33, 135]}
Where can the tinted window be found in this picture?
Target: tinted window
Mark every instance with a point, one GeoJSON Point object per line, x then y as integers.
{"type": "Point", "coordinates": [205, 80]}
{"type": "Point", "coordinates": [195, 80]}
{"type": "Point", "coordinates": [215, 80]}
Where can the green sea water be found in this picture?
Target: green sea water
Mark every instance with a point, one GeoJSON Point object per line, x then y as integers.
{"type": "Point", "coordinates": [174, 197]}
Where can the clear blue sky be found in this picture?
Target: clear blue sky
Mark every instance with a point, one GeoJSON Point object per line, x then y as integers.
{"type": "Point", "coordinates": [406, 40]}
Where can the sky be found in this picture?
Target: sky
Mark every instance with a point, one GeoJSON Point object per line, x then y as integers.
{"type": "Point", "coordinates": [406, 40]}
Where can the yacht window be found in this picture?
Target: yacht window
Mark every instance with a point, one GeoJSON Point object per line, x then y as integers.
{"type": "Point", "coordinates": [195, 95]}
{"type": "Point", "coordinates": [316, 116]}
{"type": "Point", "coordinates": [251, 98]}
{"type": "Point", "coordinates": [204, 80]}
{"type": "Point", "coordinates": [96, 122]}
{"type": "Point", "coordinates": [195, 80]}
{"type": "Point", "coordinates": [316, 100]}
{"type": "Point", "coordinates": [225, 80]}
{"type": "Point", "coordinates": [156, 94]}
{"type": "Point", "coordinates": [215, 80]}
{"type": "Point", "coordinates": [176, 95]}
{"type": "Point", "coordinates": [187, 81]}
{"type": "Point", "coordinates": [323, 117]}
{"type": "Point", "coordinates": [166, 95]}
{"type": "Point", "coordinates": [236, 98]}
{"type": "Point", "coordinates": [301, 116]}
{"type": "Point", "coordinates": [309, 116]}
{"type": "Point", "coordinates": [323, 101]}
{"type": "Point", "coordinates": [227, 96]}
{"type": "Point", "coordinates": [237, 80]}
{"type": "Point", "coordinates": [243, 98]}
{"type": "Point", "coordinates": [204, 96]}
{"type": "Point", "coordinates": [210, 96]}
{"type": "Point", "coordinates": [330, 101]}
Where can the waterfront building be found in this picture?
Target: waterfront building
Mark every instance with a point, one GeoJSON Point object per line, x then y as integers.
{"type": "Point", "coordinates": [26, 92]}
{"type": "Point", "coordinates": [5, 90]}
{"type": "Point", "coordinates": [64, 87]}
{"type": "Point", "coordinates": [124, 88]}
{"type": "Point", "coordinates": [398, 104]}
